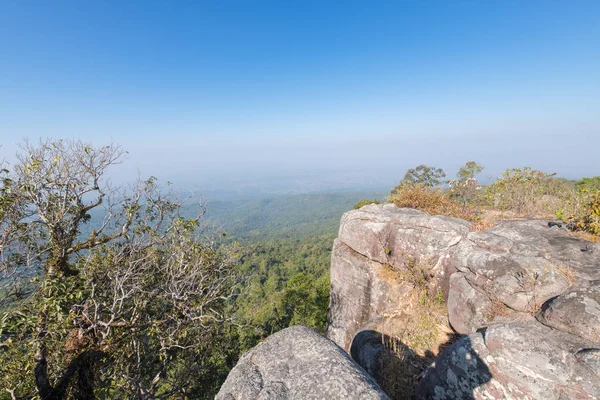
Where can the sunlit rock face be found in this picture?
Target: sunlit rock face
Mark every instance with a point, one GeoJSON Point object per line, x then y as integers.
{"type": "Point", "coordinates": [377, 237]}
{"type": "Point", "coordinates": [298, 364]}
{"type": "Point", "coordinates": [518, 269]}
{"type": "Point", "coordinates": [525, 296]}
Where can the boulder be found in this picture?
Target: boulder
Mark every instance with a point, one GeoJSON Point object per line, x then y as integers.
{"type": "Point", "coordinates": [298, 363]}
{"type": "Point", "coordinates": [360, 292]}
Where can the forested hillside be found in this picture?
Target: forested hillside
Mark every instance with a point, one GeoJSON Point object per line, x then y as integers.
{"type": "Point", "coordinates": [289, 216]}
{"type": "Point", "coordinates": [284, 250]}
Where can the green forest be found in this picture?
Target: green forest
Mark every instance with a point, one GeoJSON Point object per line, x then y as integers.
{"type": "Point", "coordinates": [284, 216]}
{"type": "Point", "coordinates": [140, 293]}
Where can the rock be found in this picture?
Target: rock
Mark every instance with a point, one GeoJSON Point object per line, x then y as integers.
{"type": "Point", "coordinates": [468, 307]}
{"type": "Point", "coordinates": [577, 311]}
{"type": "Point", "coordinates": [298, 363]}
{"type": "Point", "coordinates": [359, 293]}
{"type": "Point", "coordinates": [525, 294]}
{"type": "Point", "coordinates": [519, 265]}
{"type": "Point", "coordinates": [388, 234]}
{"type": "Point", "coordinates": [374, 240]}
{"type": "Point", "coordinates": [366, 350]}
{"type": "Point", "coordinates": [457, 372]}
{"type": "Point", "coordinates": [522, 360]}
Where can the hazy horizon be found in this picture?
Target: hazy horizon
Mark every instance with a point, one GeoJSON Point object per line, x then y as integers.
{"type": "Point", "coordinates": [308, 96]}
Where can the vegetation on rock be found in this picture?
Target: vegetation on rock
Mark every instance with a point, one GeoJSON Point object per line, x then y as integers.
{"type": "Point", "coordinates": [518, 193]}
{"type": "Point", "coordinates": [364, 202]}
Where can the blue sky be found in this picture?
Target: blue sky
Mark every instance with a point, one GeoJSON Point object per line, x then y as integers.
{"type": "Point", "coordinates": [238, 91]}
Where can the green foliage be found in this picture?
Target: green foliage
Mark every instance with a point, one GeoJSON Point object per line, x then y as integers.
{"type": "Point", "coordinates": [440, 297]}
{"type": "Point", "coordinates": [130, 308]}
{"type": "Point", "coordinates": [364, 202]}
{"type": "Point", "coordinates": [469, 171]}
{"type": "Point", "coordinates": [421, 175]}
{"type": "Point", "coordinates": [285, 216]}
{"type": "Point", "coordinates": [288, 285]}
{"type": "Point", "coordinates": [465, 187]}
{"type": "Point", "coordinates": [591, 184]}
{"type": "Point", "coordinates": [526, 191]}
{"type": "Point", "coordinates": [584, 211]}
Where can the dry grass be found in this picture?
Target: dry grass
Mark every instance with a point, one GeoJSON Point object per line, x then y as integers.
{"type": "Point", "coordinates": [482, 225]}
{"type": "Point", "coordinates": [529, 281]}
{"type": "Point", "coordinates": [412, 339]}
{"type": "Point", "coordinates": [499, 309]}
{"type": "Point", "coordinates": [586, 236]}
{"type": "Point", "coordinates": [431, 201]}
{"type": "Point", "coordinates": [415, 333]}
{"type": "Point", "coordinates": [390, 274]}
{"type": "Point", "coordinates": [568, 273]}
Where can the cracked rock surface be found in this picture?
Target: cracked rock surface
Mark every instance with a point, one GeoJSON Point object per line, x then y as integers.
{"type": "Point", "coordinates": [376, 237]}
{"type": "Point", "coordinates": [520, 360]}
{"type": "Point", "coordinates": [525, 296]}
{"type": "Point", "coordinates": [519, 267]}
{"type": "Point", "coordinates": [298, 363]}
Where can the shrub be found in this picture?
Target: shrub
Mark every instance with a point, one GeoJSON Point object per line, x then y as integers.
{"type": "Point", "coordinates": [584, 211]}
{"type": "Point", "coordinates": [364, 202]}
{"type": "Point", "coordinates": [465, 187]}
{"type": "Point", "coordinates": [429, 200]}
{"type": "Point", "coordinates": [591, 184]}
{"type": "Point", "coordinates": [528, 191]}
{"type": "Point", "coordinates": [421, 175]}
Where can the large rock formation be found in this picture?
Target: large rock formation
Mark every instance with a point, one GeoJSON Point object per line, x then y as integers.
{"type": "Point", "coordinates": [526, 296]}
{"type": "Point", "coordinates": [298, 363]}
{"type": "Point", "coordinates": [372, 240]}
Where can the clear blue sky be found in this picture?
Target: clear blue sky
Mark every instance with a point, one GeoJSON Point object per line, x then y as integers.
{"type": "Point", "coordinates": [199, 90]}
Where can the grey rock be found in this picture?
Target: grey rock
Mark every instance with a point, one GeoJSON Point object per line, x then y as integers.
{"type": "Point", "coordinates": [377, 237]}
{"type": "Point", "coordinates": [298, 363]}
{"type": "Point", "coordinates": [522, 360]}
{"type": "Point", "coordinates": [526, 296]}
{"type": "Point", "coordinates": [468, 306]}
{"type": "Point", "coordinates": [367, 348]}
{"type": "Point", "coordinates": [520, 264]}
{"type": "Point", "coordinates": [359, 293]}
{"type": "Point", "coordinates": [374, 228]}
{"type": "Point", "coordinates": [577, 311]}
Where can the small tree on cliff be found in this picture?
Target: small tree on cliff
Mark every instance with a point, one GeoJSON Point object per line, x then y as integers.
{"type": "Point", "coordinates": [127, 305]}
{"type": "Point", "coordinates": [421, 175]}
{"type": "Point", "coordinates": [465, 187]}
